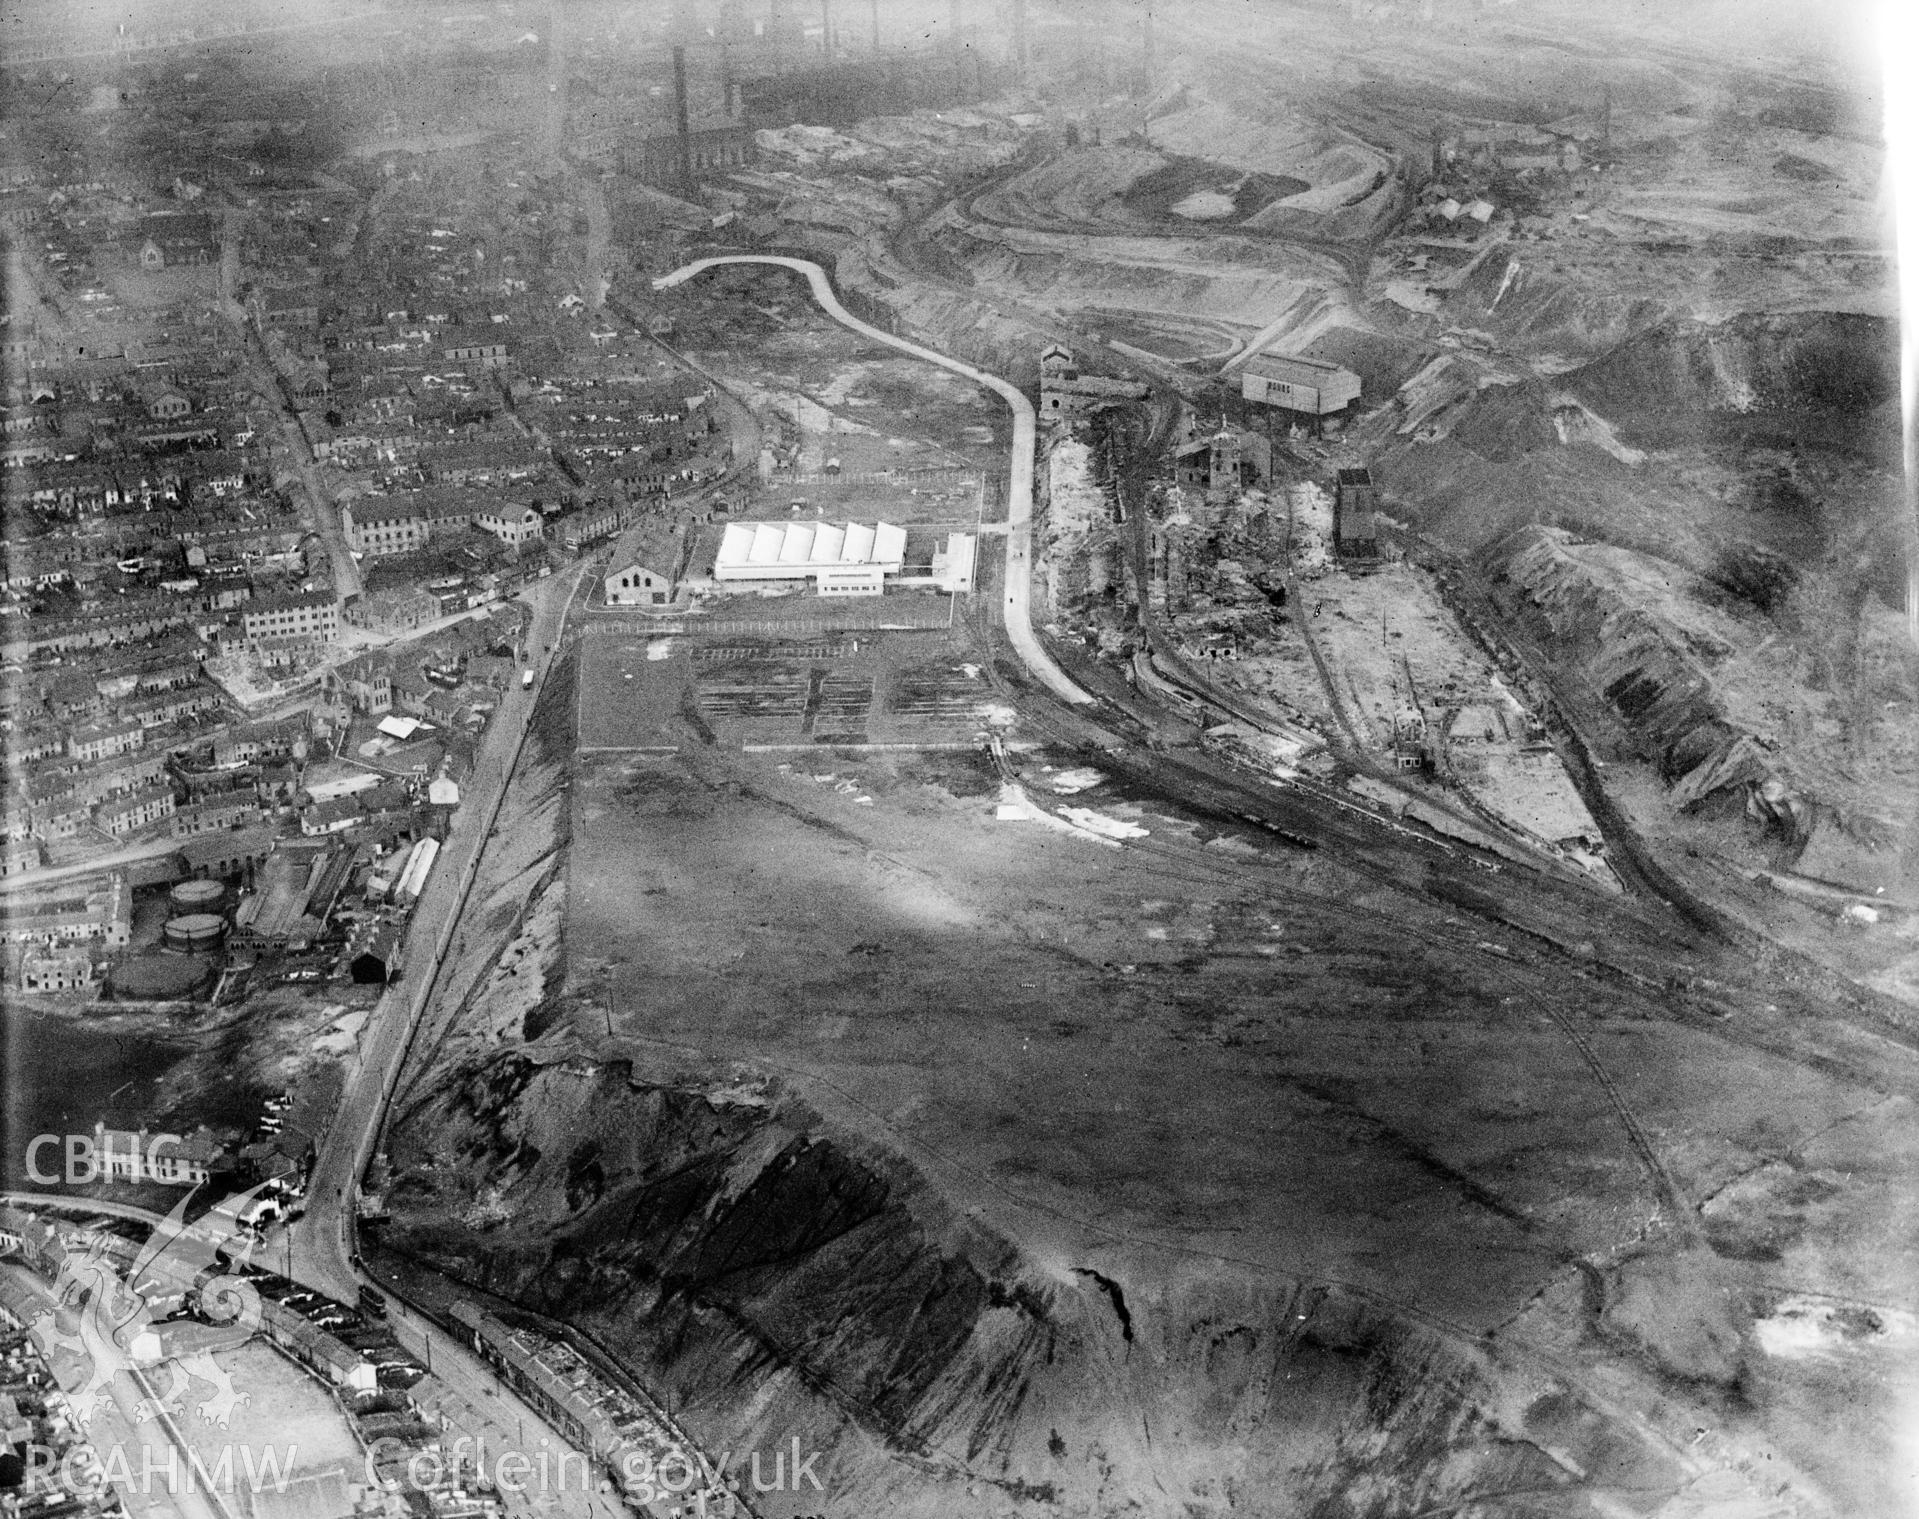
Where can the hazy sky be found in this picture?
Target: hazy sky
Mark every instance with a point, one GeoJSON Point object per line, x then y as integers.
{"type": "Point", "coordinates": [1750, 33]}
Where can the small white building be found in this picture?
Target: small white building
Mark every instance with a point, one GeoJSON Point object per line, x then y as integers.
{"type": "Point", "coordinates": [172, 1159]}
{"type": "Point", "coordinates": [634, 585]}
{"type": "Point", "coordinates": [950, 570]}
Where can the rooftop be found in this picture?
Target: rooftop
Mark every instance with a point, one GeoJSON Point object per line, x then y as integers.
{"type": "Point", "coordinates": [801, 547]}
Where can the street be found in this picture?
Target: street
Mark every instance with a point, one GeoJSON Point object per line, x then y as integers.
{"type": "Point", "coordinates": [321, 513]}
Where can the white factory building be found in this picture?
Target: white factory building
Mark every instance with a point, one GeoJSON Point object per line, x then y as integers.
{"type": "Point", "coordinates": [841, 559]}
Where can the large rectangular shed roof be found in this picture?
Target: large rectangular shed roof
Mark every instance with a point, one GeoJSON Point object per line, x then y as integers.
{"type": "Point", "coordinates": [797, 550]}
{"type": "Point", "coordinates": [1300, 384]}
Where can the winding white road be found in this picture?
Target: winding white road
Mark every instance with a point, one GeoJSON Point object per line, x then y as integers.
{"type": "Point", "coordinates": [1019, 487]}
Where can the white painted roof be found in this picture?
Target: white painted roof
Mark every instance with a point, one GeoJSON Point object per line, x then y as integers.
{"type": "Point", "coordinates": [736, 543]}
{"type": "Point", "coordinates": [768, 539]}
{"type": "Point", "coordinates": [806, 547]}
{"type": "Point", "coordinates": [796, 547]}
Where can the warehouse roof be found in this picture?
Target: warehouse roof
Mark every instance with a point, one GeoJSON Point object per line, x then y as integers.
{"type": "Point", "coordinates": [1286, 366]}
{"type": "Point", "coordinates": [805, 546]}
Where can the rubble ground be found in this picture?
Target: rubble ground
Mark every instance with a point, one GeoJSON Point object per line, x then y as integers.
{"type": "Point", "coordinates": [1378, 625]}
{"type": "Point", "coordinates": [853, 686]}
{"type": "Point", "coordinates": [835, 395]}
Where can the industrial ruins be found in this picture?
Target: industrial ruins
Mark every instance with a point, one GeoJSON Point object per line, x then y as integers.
{"type": "Point", "coordinates": [968, 759]}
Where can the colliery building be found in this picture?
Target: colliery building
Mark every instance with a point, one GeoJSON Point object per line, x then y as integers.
{"type": "Point", "coordinates": [1311, 387]}
{"type": "Point", "coordinates": [1064, 392]}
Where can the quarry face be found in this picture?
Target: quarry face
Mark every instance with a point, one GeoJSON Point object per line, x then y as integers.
{"type": "Point", "coordinates": [1431, 1031]}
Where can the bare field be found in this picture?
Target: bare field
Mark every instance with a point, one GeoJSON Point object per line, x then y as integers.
{"type": "Point", "coordinates": [1189, 1046]}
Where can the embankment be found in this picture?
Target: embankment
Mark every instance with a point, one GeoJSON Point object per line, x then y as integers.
{"type": "Point", "coordinates": [774, 1283]}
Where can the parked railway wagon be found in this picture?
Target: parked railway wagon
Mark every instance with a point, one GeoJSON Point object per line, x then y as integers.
{"type": "Point", "coordinates": [625, 1434]}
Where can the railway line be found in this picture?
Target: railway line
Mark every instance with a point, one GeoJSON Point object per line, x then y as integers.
{"type": "Point", "coordinates": [1580, 961]}
{"type": "Point", "coordinates": [1666, 968]}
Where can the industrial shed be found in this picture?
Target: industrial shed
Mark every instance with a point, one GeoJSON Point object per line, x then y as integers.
{"type": "Point", "coordinates": [1311, 386]}
{"type": "Point", "coordinates": [376, 959]}
{"type": "Point", "coordinates": [845, 559]}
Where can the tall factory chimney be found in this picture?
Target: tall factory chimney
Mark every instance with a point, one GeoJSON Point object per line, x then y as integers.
{"type": "Point", "coordinates": [1019, 35]}
{"type": "Point", "coordinates": [553, 136]}
{"type": "Point", "coordinates": [686, 22]}
{"type": "Point", "coordinates": [680, 118]}
{"type": "Point", "coordinates": [876, 25]}
{"type": "Point", "coordinates": [775, 30]}
{"type": "Point", "coordinates": [826, 27]}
